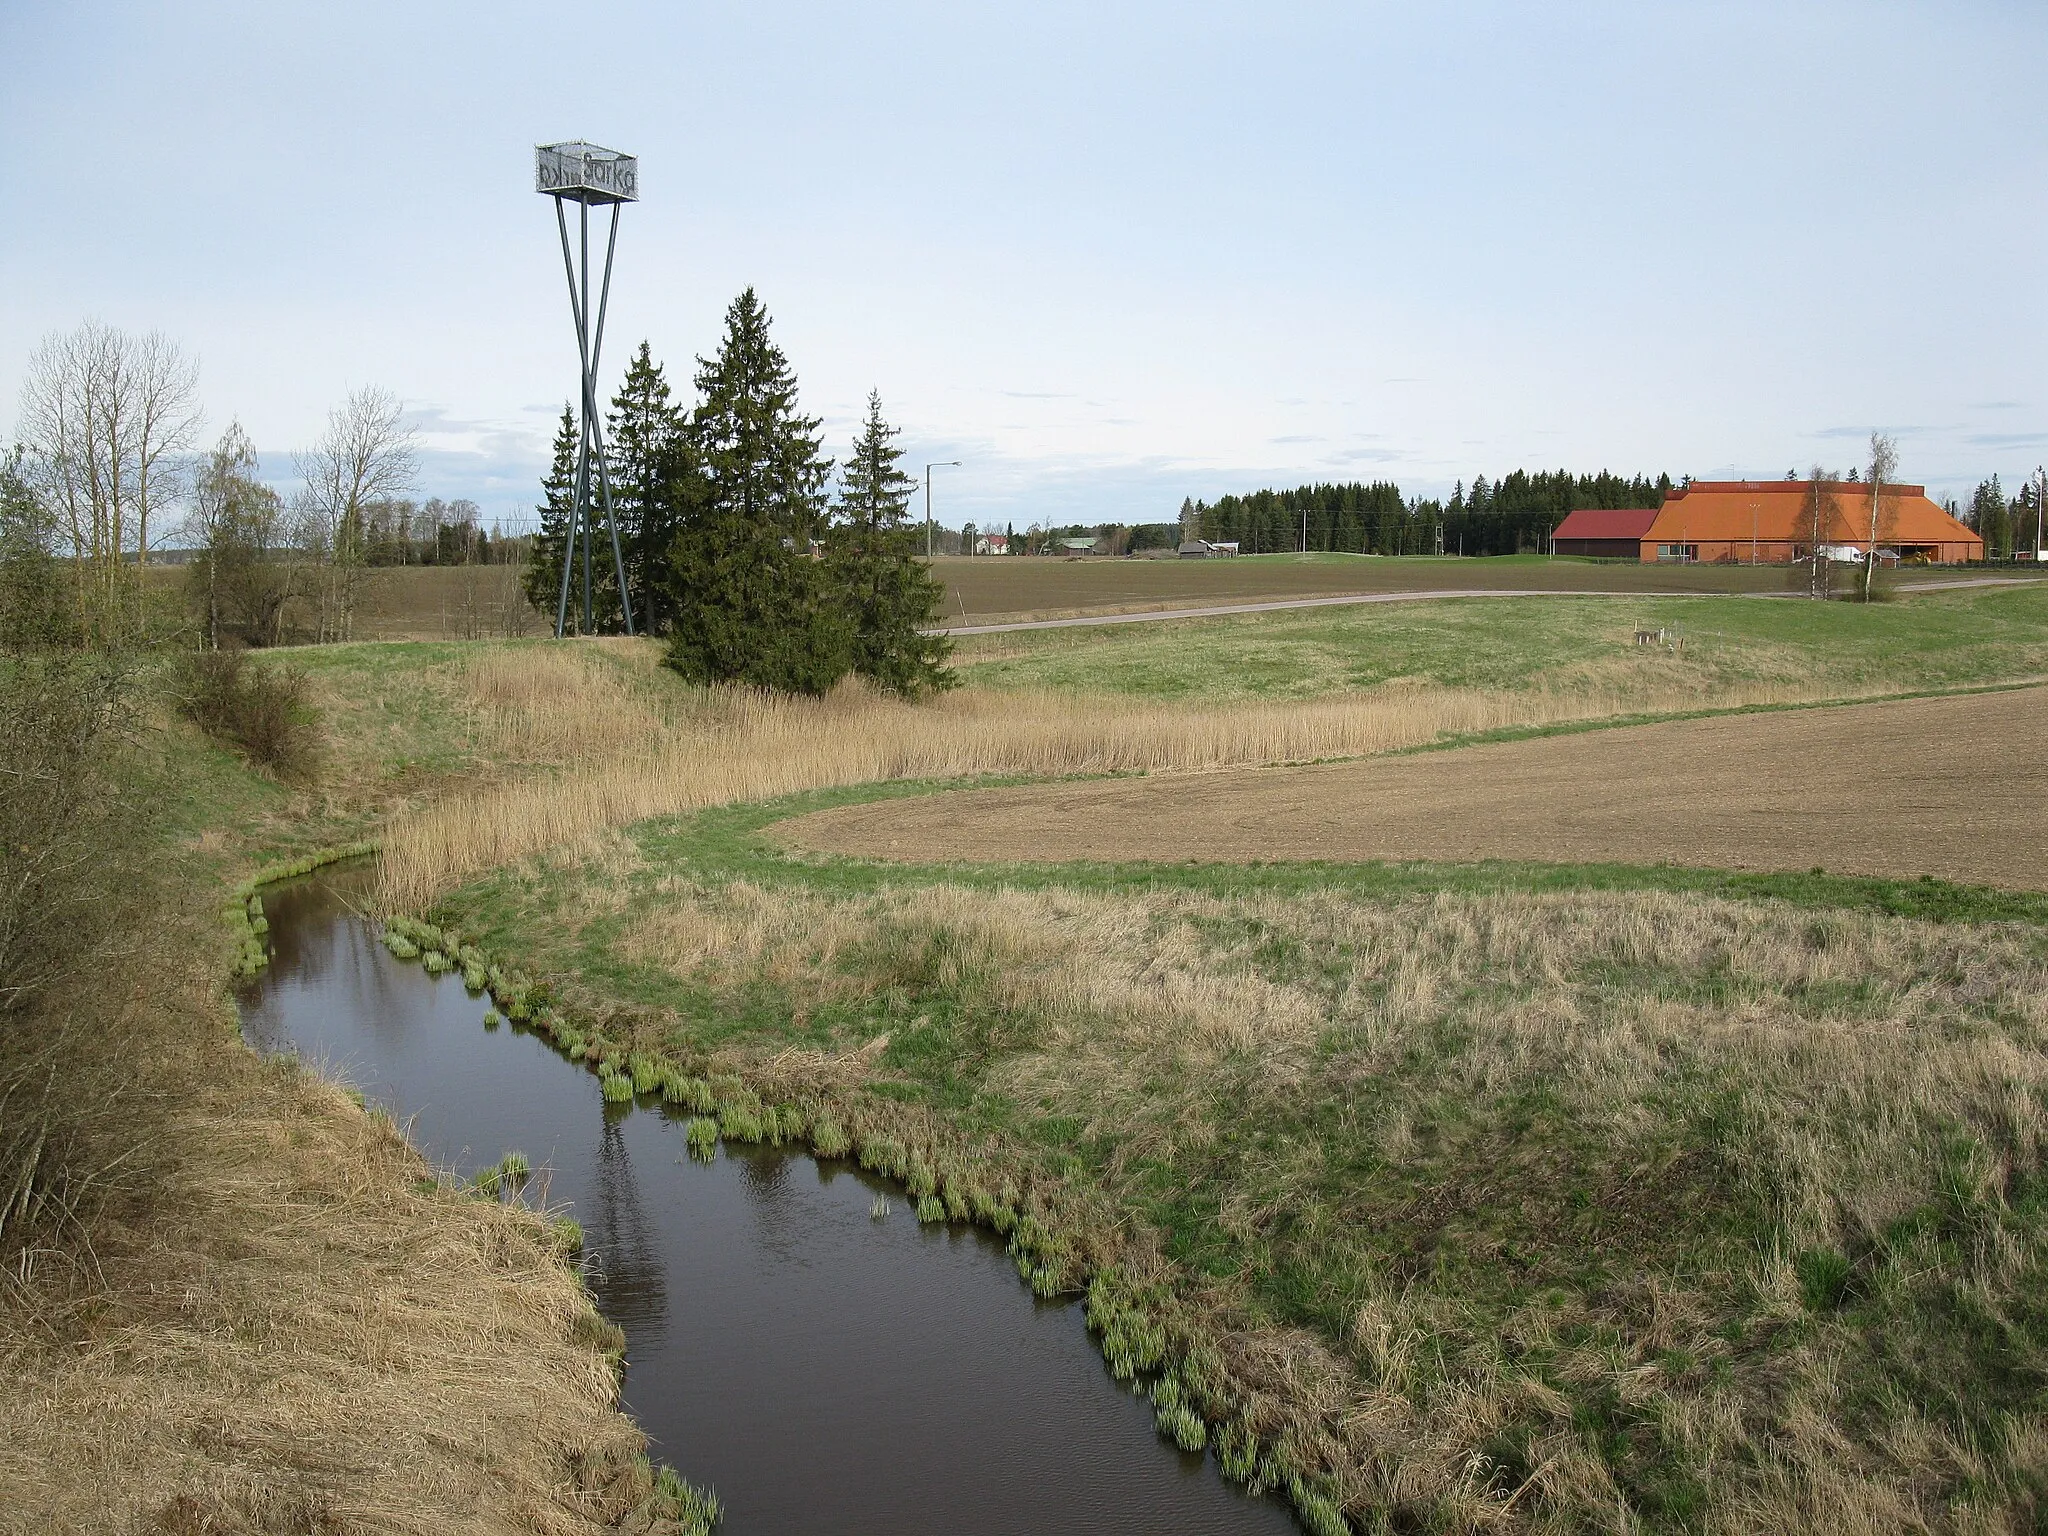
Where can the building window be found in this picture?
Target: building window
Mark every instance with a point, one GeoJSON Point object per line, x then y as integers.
{"type": "Point", "coordinates": [1678, 551]}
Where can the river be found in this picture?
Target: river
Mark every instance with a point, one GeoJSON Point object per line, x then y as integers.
{"type": "Point", "coordinates": [821, 1369]}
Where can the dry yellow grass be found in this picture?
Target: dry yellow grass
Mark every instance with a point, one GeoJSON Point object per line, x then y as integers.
{"type": "Point", "coordinates": [292, 1337]}
{"type": "Point", "coordinates": [729, 747]}
{"type": "Point", "coordinates": [1735, 1083]}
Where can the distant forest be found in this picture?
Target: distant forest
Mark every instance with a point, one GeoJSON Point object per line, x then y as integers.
{"type": "Point", "coordinates": [1514, 515]}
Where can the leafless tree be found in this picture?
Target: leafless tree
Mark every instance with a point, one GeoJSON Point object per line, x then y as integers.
{"type": "Point", "coordinates": [368, 455]}
{"type": "Point", "coordinates": [104, 417]}
{"type": "Point", "coordinates": [1884, 469]}
{"type": "Point", "coordinates": [1817, 516]}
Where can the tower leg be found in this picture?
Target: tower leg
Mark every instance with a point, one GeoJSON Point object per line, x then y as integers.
{"type": "Point", "coordinates": [604, 479]}
{"type": "Point", "coordinates": [576, 507]}
{"type": "Point", "coordinates": [590, 419]}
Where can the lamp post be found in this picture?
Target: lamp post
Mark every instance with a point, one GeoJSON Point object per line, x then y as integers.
{"type": "Point", "coordinates": [942, 464]}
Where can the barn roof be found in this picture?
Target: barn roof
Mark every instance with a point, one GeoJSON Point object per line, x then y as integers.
{"type": "Point", "coordinates": [1607, 523]}
{"type": "Point", "coordinates": [1777, 510]}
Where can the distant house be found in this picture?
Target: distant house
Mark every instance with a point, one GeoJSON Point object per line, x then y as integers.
{"type": "Point", "coordinates": [1614, 533]}
{"type": "Point", "coordinates": [1078, 546]}
{"type": "Point", "coordinates": [992, 544]}
{"type": "Point", "coordinates": [1207, 549]}
{"type": "Point", "coordinates": [1769, 522]}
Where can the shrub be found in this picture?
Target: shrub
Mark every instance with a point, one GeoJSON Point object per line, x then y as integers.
{"type": "Point", "coordinates": [75, 908]}
{"type": "Point", "coordinates": [266, 712]}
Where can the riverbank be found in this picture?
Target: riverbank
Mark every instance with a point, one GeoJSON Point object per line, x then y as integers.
{"type": "Point", "coordinates": [1476, 1195]}
{"type": "Point", "coordinates": [278, 1317]}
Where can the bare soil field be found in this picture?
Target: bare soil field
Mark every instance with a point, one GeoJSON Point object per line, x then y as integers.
{"type": "Point", "coordinates": [1869, 789]}
{"type": "Point", "coordinates": [997, 590]}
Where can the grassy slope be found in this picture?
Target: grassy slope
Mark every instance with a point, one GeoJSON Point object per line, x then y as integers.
{"type": "Point", "coordinates": [1933, 640]}
{"type": "Point", "coordinates": [260, 1391]}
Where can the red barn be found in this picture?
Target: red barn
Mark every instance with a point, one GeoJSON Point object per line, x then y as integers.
{"type": "Point", "coordinates": [1773, 522]}
{"type": "Point", "coordinates": [1613, 532]}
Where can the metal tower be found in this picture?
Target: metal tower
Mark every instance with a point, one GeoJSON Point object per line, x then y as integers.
{"type": "Point", "coordinates": [585, 174]}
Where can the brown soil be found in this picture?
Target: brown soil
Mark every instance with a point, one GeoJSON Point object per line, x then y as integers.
{"type": "Point", "coordinates": [1888, 789]}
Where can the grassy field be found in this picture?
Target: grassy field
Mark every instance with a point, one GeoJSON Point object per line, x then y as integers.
{"type": "Point", "coordinates": [1497, 1196]}
{"type": "Point", "coordinates": [985, 590]}
{"type": "Point", "coordinates": [485, 602]}
{"type": "Point", "coordinates": [1489, 1196]}
{"type": "Point", "coordinates": [1936, 639]}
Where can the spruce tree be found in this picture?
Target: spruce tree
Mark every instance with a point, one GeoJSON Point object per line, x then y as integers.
{"type": "Point", "coordinates": [748, 603]}
{"type": "Point", "coordinates": [871, 560]}
{"type": "Point", "coordinates": [649, 454]}
{"type": "Point", "coordinates": [558, 499]}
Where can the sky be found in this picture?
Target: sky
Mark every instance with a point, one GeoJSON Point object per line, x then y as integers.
{"type": "Point", "coordinates": [1105, 256]}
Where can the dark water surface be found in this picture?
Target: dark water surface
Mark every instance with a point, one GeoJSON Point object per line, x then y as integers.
{"type": "Point", "coordinates": [821, 1370]}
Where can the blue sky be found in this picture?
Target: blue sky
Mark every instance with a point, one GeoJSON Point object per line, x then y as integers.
{"type": "Point", "coordinates": [1107, 256]}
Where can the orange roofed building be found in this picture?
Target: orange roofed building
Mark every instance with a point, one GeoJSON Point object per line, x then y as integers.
{"type": "Point", "coordinates": [1770, 522]}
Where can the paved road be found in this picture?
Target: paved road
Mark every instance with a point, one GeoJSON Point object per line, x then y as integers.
{"type": "Point", "coordinates": [1224, 610]}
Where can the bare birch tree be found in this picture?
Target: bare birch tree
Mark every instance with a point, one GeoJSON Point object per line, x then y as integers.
{"type": "Point", "coordinates": [1817, 515]}
{"type": "Point", "coordinates": [1884, 468]}
{"type": "Point", "coordinates": [368, 454]}
{"type": "Point", "coordinates": [105, 417]}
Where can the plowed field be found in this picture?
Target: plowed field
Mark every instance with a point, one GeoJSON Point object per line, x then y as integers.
{"type": "Point", "coordinates": [1954, 787]}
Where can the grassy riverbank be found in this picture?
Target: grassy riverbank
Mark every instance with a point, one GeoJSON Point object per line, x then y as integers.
{"type": "Point", "coordinates": [1606, 1198]}
{"type": "Point", "coordinates": [1635, 1198]}
{"type": "Point", "coordinates": [252, 1307]}
{"type": "Point", "coordinates": [1481, 1196]}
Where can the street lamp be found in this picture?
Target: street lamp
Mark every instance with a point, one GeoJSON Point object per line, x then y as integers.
{"type": "Point", "coordinates": [942, 464]}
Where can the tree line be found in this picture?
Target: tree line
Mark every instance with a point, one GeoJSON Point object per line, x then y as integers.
{"type": "Point", "coordinates": [1514, 515]}
{"type": "Point", "coordinates": [2009, 526]}
{"type": "Point", "coordinates": [735, 548]}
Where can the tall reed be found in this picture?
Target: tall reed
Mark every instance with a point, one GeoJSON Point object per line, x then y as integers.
{"type": "Point", "coordinates": [739, 746]}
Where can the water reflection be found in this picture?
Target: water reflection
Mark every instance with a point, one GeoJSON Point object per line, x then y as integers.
{"type": "Point", "coordinates": [823, 1370]}
{"type": "Point", "coordinates": [630, 1285]}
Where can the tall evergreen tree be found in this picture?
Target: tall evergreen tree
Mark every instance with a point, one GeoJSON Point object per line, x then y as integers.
{"type": "Point", "coordinates": [871, 559]}
{"type": "Point", "coordinates": [558, 500]}
{"type": "Point", "coordinates": [748, 603]}
{"type": "Point", "coordinates": [1991, 518]}
{"type": "Point", "coordinates": [649, 454]}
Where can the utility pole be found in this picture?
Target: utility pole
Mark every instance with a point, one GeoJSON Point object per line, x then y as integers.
{"type": "Point", "coordinates": [942, 464]}
{"type": "Point", "coordinates": [2040, 494]}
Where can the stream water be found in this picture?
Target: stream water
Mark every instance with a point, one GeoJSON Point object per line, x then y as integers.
{"type": "Point", "coordinates": [822, 1370]}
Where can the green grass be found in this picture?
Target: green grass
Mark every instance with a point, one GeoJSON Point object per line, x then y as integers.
{"type": "Point", "coordinates": [1943, 639]}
